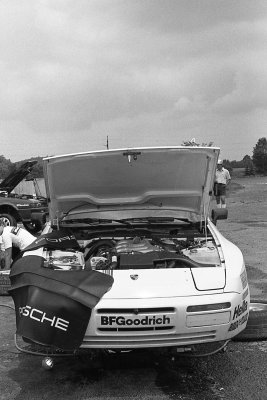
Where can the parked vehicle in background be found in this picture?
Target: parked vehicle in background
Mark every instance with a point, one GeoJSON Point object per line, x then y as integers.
{"type": "Point", "coordinates": [21, 209]}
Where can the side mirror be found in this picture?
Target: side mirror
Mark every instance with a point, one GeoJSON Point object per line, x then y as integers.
{"type": "Point", "coordinates": [218, 213]}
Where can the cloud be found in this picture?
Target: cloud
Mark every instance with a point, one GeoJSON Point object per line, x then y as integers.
{"type": "Point", "coordinates": [124, 67]}
{"type": "Point", "coordinates": [248, 93]}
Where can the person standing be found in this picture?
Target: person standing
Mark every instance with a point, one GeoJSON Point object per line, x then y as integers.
{"type": "Point", "coordinates": [222, 179]}
{"type": "Point", "coordinates": [13, 240]}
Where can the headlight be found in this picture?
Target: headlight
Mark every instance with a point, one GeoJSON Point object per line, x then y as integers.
{"type": "Point", "coordinates": [220, 318]}
{"type": "Point", "coordinates": [36, 205]}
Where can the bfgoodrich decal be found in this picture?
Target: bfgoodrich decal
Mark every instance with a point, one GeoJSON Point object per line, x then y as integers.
{"type": "Point", "coordinates": [145, 321]}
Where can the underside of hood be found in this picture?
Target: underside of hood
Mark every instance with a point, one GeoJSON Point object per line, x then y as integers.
{"type": "Point", "coordinates": [15, 177]}
{"type": "Point", "coordinates": [165, 180]}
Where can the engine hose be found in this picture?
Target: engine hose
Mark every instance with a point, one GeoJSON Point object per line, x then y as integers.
{"type": "Point", "coordinates": [168, 247]}
{"type": "Point", "coordinates": [94, 247]}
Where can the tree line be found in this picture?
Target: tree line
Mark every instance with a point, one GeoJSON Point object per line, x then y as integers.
{"type": "Point", "coordinates": [257, 164]}
{"type": "Point", "coordinates": [6, 167]}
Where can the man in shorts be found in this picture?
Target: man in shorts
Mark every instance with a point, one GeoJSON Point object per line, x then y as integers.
{"type": "Point", "coordinates": [13, 240]}
{"type": "Point", "coordinates": [222, 179]}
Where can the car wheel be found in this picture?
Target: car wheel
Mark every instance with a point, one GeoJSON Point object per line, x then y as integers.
{"type": "Point", "coordinates": [256, 328]}
{"type": "Point", "coordinates": [34, 227]}
{"type": "Point", "coordinates": [8, 219]}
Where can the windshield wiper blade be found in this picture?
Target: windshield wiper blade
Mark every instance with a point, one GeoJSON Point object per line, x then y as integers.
{"type": "Point", "coordinates": [85, 203]}
{"type": "Point", "coordinates": [86, 220]}
{"type": "Point", "coordinates": [156, 219]}
{"type": "Point", "coordinates": [96, 221]}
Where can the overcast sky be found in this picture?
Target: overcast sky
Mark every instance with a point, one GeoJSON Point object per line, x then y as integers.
{"type": "Point", "coordinates": [142, 72]}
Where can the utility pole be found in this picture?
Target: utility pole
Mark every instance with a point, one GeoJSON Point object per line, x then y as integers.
{"type": "Point", "coordinates": [107, 143]}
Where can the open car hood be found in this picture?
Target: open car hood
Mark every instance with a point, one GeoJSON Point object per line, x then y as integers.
{"type": "Point", "coordinates": [15, 177]}
{"type": "Point", "coordinates": [165, 181]}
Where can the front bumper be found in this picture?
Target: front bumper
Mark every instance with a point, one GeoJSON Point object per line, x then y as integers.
{"type": "Point", "coordinates": [148, 323]}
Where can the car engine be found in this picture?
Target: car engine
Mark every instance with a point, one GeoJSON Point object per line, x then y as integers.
{"type": "Point", "coordinates": [144, 253]}
{"type": "Point", "coordinates": [136, 253]}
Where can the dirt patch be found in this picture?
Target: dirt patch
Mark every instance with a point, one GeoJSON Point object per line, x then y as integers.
{"type": "Point", "coordinates": [235, 186]}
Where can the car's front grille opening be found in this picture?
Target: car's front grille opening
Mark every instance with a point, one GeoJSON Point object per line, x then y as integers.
{"type": "Point", "coordinates": [144, 329]}
{"type": "Point", "coordinates": [115, 339]}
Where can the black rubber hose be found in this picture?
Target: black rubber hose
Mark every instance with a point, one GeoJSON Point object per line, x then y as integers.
{"type": "Point", "coordinates": [101, 242]}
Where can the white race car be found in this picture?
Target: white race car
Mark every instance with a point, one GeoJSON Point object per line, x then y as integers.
{"type": "Point", "coordinates": [142, 216]}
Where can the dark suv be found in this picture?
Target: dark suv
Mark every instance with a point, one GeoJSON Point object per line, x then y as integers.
{"type": "Point", "coordinates": [20, 209]}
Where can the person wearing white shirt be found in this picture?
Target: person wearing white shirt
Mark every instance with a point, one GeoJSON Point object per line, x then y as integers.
{"type": "Point", "coordinates": [222, 179]}
{"type": "Point", "coordinates": [16, 238]}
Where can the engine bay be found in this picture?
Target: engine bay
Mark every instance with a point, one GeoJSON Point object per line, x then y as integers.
{"type": "Point", "coordinates": [136, 252]}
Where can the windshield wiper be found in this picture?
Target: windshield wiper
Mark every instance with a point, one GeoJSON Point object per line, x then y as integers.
{"type": "Point", "coordinates": [167, 219]}
{"type": "Point", "coordinates": [85, 203]}
{"type": "Point", "coordinates": [95, 221]}
{"type": "Point", "coordinates": [155, 220]}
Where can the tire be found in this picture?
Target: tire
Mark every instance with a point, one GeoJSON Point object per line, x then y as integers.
{"type": "Point", "coordinates": [9, 219]}
{"type": "Point", "coordinates": [256, 328]}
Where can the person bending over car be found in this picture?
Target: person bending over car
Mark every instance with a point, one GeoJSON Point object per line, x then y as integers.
{"type": "Point", "coordinates": [14, 239]}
